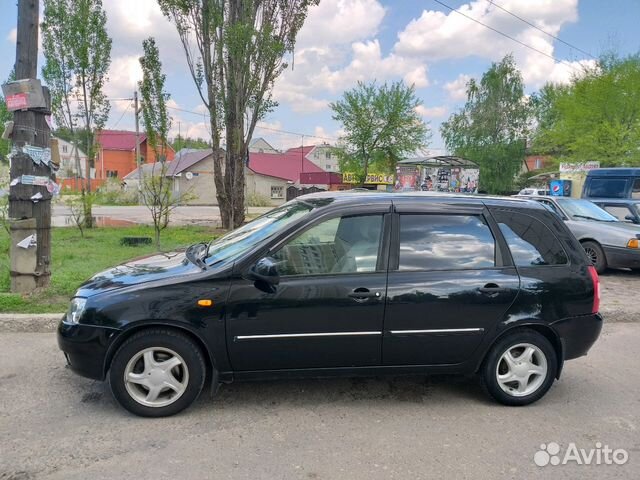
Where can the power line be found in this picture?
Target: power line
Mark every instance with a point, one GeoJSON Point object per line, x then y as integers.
{"type": "Point", "coordinates": [121, 117]}
{"type": "Point", "coordinates": [202, 114]}
{"type": "Point", "coordinates": [506, 35]}
{"type": "Point", "coordinates": [540, 29]}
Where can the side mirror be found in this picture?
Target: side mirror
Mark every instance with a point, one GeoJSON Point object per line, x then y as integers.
{"type": "Point", "coordinates": [630, 218]}
{"type": "Point", "coordinates": [265, 274]}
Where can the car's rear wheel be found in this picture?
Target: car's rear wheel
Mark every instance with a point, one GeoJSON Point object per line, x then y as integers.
{"type": "Point", "coordinates": [520, 368]}
{"type": "Point", "coordinates": [157, 373]}
{"type": "Point", "coordinates": [596, 255]}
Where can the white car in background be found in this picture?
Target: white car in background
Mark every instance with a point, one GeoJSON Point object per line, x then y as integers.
{"type": "Point", "coordinates": [533, 191]}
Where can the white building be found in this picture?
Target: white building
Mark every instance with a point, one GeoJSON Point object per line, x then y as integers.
{"type": "Point", "coordinates": [69, 161]}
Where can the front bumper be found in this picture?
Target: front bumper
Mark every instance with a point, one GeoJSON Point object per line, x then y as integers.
{"type": "Point", "coordinates": [578, 334]}
{"type": "Point", "coordinates": [621, 257]}
{"type": "Point", "coordinates": [85, 348]}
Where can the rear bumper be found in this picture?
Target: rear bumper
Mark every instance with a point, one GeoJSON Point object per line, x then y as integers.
{"type": "Point", "coordinates": [85, 348]}
{"type": "Point", "coordinates": [578, 334]}
{"type": "Point", "coordinates": [620, 257]}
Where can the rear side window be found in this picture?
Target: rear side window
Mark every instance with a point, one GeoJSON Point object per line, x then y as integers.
{"type": "Point", "coordinates": [635, 192]}
{"type": "Point", "coordinates": [445, 242]}
{"type": "Point", "coordinates": [530, 241]}
{"type": "Point", "coordinates": [607, 187]}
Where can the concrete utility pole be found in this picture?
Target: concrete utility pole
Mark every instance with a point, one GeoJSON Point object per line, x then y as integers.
{"type": "Point", "coordinates": [137, 110]}
{"type": "Point", "coordinates": [29, 205]}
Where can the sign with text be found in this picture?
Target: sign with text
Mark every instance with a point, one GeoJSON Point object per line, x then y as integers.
{"type": "Point", "coordinates": [578, 167]}
{"type": "Point", "coordinates": [372, 178]}
{"type": "Point", "coordinates": [23, 94]}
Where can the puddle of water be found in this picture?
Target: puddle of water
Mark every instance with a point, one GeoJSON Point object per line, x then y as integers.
{"type": "Point", "coordinates": [101, 221]}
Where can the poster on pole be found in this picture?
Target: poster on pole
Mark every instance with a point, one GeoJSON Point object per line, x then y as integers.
{"type": "Point", "coordinates": [23, 94]}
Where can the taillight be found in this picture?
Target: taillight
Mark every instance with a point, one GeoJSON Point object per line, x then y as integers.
{"type": "Point", "coordinates": [596, 288]}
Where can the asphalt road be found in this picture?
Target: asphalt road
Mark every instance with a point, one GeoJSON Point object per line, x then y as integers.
{"type": "Point", "coordinates": [56, 425]}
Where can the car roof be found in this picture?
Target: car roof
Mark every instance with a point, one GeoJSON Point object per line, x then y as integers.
{"type": "Point", "coordinates": [614, 172]}
{"type": "Point", "coordinates": [370, 196]}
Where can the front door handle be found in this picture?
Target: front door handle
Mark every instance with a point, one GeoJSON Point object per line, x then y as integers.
{"type": "Point", "coordinates": [361, 294]}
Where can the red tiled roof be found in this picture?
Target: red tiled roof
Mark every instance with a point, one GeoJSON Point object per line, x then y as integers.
{"type": "Point", "coordinates": [287, 165]}
{"type": "Point", "coordinates": [118, 139]}
{"type": "Point", "coordinates": [305, 150]}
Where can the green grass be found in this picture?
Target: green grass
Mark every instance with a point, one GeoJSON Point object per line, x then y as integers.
{"type": "Point", "coordinates": [75, 259]}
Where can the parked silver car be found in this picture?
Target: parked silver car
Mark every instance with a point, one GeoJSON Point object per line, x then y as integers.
{"type": "Point", "coordinates": [608, 242]}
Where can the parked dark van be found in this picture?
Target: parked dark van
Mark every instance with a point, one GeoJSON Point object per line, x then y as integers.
{"type": "Point", "coordinates": [349, 283]}
{"type": "Point", "coordinates": [612, 183]}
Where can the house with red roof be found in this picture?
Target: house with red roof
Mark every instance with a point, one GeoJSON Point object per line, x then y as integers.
{"type": "Point", "coordinates": [116, 155]}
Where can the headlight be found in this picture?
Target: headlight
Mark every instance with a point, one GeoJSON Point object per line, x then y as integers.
{"type": "Point", "coordinates": [76, 308]}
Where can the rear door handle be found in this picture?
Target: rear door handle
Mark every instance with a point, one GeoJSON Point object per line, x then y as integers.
{"type": "Point", "coordinates": [492, 289]}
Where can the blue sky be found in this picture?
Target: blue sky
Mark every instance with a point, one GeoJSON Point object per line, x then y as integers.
{"type": "Point", "coordinates": [343, 41]}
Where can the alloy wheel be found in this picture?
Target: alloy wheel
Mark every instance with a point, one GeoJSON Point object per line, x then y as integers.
{"type": "Point", "coordinates": [521, 370]}
{"type": "Point", "coordinates": [156, 377]}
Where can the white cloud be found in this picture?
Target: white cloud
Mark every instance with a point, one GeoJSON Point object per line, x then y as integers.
{"type": "Point", "coordinates": [457, 89]}
{"type": "Point", "coordinates": [436, 35]}
{"type": "Point", "coordinates": [13, 35]}
{"type": "Point", "coordinates": [431, 112]}
{"type": "Point", "coordinates": [124, 74]}
{"type": "Point", "coordinates": [335, 22]}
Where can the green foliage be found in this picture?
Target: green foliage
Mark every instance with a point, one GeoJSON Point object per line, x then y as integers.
{"type": "Point", "coordinates": [154, 99]}
{"type": "Point", "coordinates": [258, 200]}
{"type": "Point", "coordinates": [181, 142]}
{"type": "Point", "coordinates": [5, 116]}
{"type": "Point", "coordinates": [235, 51]}
{"type": "Point", "coordinates": [75, 259]}
{"type": "Point", "coordinates": [112, 193]}
{"type": "Point", "coordinates": [596, 117]}
{"type": "Point", "coordinates": [491, 128]}
{"type": "Point", "coordinates": [381, 127]}
{"type": "Point", "coordinates": [77, 51]}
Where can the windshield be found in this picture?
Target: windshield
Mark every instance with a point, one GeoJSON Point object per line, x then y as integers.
{"type": "Point", "coordinates": [584, 209]}
{"type": "Point", "coordinates": [245, 237]}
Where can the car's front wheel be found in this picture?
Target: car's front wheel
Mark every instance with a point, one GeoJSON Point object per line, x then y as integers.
{"type": "Point", "coordinates": [520, 368]}
{"type": "Point", "coordinates": [157, 373]}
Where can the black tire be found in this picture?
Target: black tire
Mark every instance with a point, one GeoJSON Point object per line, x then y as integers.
{"type": "Point", "coordinates": [489, 370]}
{"type": "Point", "coordinates": [191, 371]}
{"type": "Point", "coordinates": [596, 255]}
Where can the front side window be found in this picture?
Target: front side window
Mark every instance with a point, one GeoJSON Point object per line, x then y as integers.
{"type": "Point", "coordinates": [445, 242]}
{"type": "Point", "coordinates": [339, 245]}
{"type": "Point", "coordinates": [607, 187]}
{"type": "Point", "coordinates": [530, 241]}
{"type": "Point", "coordinates": [619, 211]}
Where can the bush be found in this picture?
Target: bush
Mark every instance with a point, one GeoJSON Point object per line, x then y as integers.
{"type": "Point", "coordinates": [258, 200]}
{"type": "Point", "coordinates": [112, 193]}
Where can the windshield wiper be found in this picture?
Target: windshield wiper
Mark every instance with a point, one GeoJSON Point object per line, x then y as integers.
{"type": "Point", "coordinates": [197, 259]}
{"type": "Point", "coordinates": [589, 218]}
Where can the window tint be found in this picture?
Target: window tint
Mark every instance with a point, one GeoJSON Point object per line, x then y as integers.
{"type": "Point", "coordinates": [339, 245]}
{"type": "Point", "coordinates": [608, 187]}
{"type": "Point", "coordinates": [635, 192]}
{"type": "Point", "coordinates": [445, 242]}
{"type": "Point", "coordinates": [530, 241]}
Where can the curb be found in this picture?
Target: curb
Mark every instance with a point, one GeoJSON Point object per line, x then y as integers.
{"type": "Point", "coordinates": [48, 322]}
{"type": "Point", "coordinates": [29, 322]}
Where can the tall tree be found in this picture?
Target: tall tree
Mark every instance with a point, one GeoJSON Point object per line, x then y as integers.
{"type": "Point", "coordinates": [156, 190]}
{"type": "Point", "coordinates": [381, 126]}
{"type": "Point", "coordinates": [77, 51]}
{"type": "Point", "coordinates": [492, 127]}
{"type": "Point", "coordinates": [235, 50]}
{"type": "Point", "coordinates": [596, 117]}
{"type": "Point", "coordinates": [181, 142]}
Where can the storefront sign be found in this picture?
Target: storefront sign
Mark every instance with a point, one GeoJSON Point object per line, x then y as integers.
{"type": "Point", "coordinates": [372, 178]}
{"type": "Point", "coordinates": [578, 167]}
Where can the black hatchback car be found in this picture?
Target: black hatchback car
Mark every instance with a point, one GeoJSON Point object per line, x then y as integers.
{"type": "Point", "coordinates": [345, 284]}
